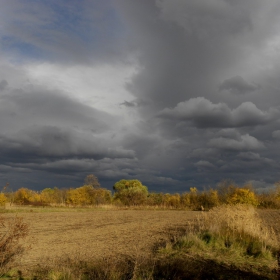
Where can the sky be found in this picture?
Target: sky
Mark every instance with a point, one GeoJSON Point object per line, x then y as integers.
{"type": "Point", "coordinates": [173, 93]}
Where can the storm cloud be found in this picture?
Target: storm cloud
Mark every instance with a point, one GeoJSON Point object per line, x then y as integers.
{"type": "Point", "coordinates": [203, 113]}
{"type": "Point", "coordinates": [173, 93]}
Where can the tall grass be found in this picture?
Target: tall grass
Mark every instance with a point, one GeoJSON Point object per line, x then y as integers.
{"type": "Point", "coordinates": [230, 238]}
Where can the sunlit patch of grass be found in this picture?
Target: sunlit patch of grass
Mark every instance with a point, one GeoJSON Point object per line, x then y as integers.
{"type": "Point", "coordinates": [229, 236]}
{"type": "Point", "coordinates": [50, 209]}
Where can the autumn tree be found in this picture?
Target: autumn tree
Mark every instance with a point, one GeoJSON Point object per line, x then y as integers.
{"type": "Point", "coordinates": [87, 195]}
{"type": "Point", "coordinates": [243, 196]}
{"type": "Point", "coordinates": [271, 197]}
{"type": "Point", "coordinates": [155, 199]}
{"type": "Point", "coordinates": [130, 192]}
{"type": "Point", "coordinates": [208, 199]}
{"type": "Point", "coordinates": [78, 196]}
{"type": "Point", "coordinates": [52, 196]}
{"type": "Point", "coordinates": [26, 196]}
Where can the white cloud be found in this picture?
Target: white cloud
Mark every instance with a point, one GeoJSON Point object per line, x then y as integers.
{"type": "Point", "coordinates": [102, 86]}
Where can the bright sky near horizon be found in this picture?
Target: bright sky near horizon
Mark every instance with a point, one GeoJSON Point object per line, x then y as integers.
{"type": "Point", "coordinates": [173, 93]}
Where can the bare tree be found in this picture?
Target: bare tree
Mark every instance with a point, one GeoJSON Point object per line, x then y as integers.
{"type": "Point", "coordinates": [91, 180]}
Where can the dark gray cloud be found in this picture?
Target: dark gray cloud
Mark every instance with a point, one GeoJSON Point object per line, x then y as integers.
{"type": "Point", "coordinates": [238, 85]}
{"type": "Point", "coordinates": [44, 142]}
{"type": "Point", "coordinates": [202, 99]}
{"type": "Point", "coordinates": [276, 134]}
{"type": "Point", "coordinates": [45, 130]}
{"type": "Point", "coordinates": [203, 113]}
{"type": "Point", "coordinates": [182, 43]}
{"type": "Point", "coordinates": [37, 105]}
{"type": "Point", "coordinates": [245, 142]}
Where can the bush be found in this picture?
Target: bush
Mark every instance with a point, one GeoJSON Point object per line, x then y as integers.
{"type": "Point", "coordinates": [11, 233]}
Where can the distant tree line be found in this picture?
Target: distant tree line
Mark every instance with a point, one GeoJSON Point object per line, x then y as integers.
{"type": "Point", "coordinates": [129, 193]}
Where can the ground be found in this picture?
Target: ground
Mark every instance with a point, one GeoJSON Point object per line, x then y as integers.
{"type": "Point", "coordinates": [100, 233]}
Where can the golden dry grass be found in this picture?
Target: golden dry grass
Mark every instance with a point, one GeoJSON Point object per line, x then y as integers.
{"type": "Point", "coordinates": [95, 234]}
{"type": "Point", "coordinates": [91, 234]}
{"type": "Point", "coordinates": [239, 219]}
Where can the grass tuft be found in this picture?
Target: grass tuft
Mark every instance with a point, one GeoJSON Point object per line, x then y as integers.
{"type": "Point", "coordinates": [228, 238]}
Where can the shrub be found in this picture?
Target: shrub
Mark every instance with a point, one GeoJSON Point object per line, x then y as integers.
{"type": "Point", "coordinates": [11, 233]}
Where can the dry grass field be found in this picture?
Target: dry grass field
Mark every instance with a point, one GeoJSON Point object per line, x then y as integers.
{"type": "Point", "coordinates": [96, 233]}
{"type": "Point", "coordinates": [85, 234]}
{"type": "Point", "coordinates": [271, 218]}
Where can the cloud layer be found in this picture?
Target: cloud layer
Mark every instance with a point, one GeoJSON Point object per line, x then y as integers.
{"type": "Point", "coordinates": [173, 93]}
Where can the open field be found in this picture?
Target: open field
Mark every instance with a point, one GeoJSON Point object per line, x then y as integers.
{"type": "Point", "coordinates": [84, 234]}
{"type": "Point", "coordinates": [96, 233]}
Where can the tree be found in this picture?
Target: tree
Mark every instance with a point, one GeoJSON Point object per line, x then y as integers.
{"type": "Point", "coordinates": [22, 196]}
{"type": "Point", "coordinates": [243, 196]}
{"type": "Point", "coordinates": [87, 195]}
{"type": "Point", "coordinates": [155, 199]}
{"type": "Point", "coordinates": [49, 196]}
{"type": "Point", "coordinates": [130, 192]}
{"type": "Point", "coordinates": [79, 196]}
{"type": "Point", "coordinates": [91, 180]}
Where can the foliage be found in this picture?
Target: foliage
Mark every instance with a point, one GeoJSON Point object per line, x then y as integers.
{"type": "Point", "coordinates": [26, 196]}
{"type": "Point", "coordinates": [3, 199]}
{"type": "Point", "coordinates": [133, 193]}
{"type": "Point", "coordinates": [87, 195]}
{"type": "Point", "coordinates": [171, 200]}
{"type": "Point", "coordinates": [53, 196]}
{"type": "Point", "coordinates": [155, 199]}
{"type": "Point", "coordinates": [130, 192]}
{"type": "Point", "coordinates": [242, 196]}
{"type": "Point", "coordinates": [270, 199]}
{"type": "Point", "coordinates": [208, 200]}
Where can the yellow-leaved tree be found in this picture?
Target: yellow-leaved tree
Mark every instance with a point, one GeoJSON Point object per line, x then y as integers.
{"type": "Point", "coordinates": [243, 196]}
{"type": "Point", "coordinates": [3, 199]}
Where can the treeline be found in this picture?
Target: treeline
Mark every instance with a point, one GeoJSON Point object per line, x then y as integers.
{"type": "Point", "coordinates": [133, 193]}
